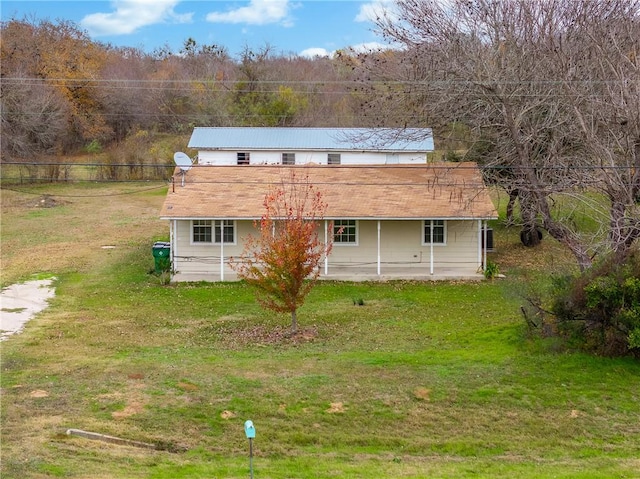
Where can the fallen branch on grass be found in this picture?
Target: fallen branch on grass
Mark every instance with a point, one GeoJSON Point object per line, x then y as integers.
{"type": "Point", "coordinates": [123, 442]}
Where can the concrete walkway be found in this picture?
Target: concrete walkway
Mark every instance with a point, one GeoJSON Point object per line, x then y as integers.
{"type": "Point", "coordinates": [21, 302]}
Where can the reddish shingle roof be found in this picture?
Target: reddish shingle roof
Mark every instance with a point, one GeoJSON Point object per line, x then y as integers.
{"type": "Point", "coordinates": [434, 190]}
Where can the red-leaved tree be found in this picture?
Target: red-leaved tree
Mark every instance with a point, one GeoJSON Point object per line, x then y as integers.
{"type": "Point", "coordinates": [283, 261]}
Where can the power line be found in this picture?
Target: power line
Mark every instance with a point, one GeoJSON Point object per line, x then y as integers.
{"type": "Point", "coordinates": [443, 165]}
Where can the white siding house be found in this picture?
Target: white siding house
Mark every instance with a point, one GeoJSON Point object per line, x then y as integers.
{"type": "Point", "coordinates": [321, 146]}
{"type": "Point", "coordinates": [395, 217]}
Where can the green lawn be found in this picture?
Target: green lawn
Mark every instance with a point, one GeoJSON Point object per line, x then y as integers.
{"type": "Point", "coordinates": [425, 380]}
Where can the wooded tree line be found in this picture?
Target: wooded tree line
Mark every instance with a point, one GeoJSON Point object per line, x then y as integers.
{"type": "Point", "coordinates": [61, 91]}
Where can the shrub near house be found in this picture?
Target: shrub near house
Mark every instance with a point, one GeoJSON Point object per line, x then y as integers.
{"type": "Point", "coordinates": [601, 308]}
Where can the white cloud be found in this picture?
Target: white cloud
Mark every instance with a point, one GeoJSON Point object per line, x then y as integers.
{"type": "Point", "coordinates": [258, 12]}
{"type": "Point", "coordinates": [130, 15]}
{"type": "Point", "coordinates": [369, 12]}
{"type": "Point", "coordinates": [316, 52]}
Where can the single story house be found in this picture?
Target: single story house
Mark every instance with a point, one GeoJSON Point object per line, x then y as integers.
{"type": "Point", "coordinates": [388, 221]}
{"type": "Point", "coordinates": [321, 146]}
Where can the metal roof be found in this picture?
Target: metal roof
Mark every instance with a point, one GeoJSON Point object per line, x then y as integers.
{"type": "Point", "coordinates": [338, 139]}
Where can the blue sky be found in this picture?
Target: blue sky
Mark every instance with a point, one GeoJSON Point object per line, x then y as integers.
{"type": "Point", "coordinates": [304, 27]}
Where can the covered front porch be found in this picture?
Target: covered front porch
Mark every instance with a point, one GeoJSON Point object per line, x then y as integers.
{"type": "Point", "coordinates": [384, 251]}
{"type": "Point", "coordinates": [357, 273]}
{"type": "Point", "coordinates": [379, 251]}
{"type": "Point", "coordinates": [399, 272]}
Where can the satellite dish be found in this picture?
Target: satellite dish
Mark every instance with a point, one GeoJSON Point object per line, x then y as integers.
{"type": "Point", "coordinates": [182, 161]}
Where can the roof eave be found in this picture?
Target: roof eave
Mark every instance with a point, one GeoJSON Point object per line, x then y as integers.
{"type": "Point", "coordinates": [346, 217]}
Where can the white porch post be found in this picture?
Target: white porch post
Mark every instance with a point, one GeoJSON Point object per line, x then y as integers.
{"type": "Point", "coordinates": [431, 247]}
{"type": "Point", "coordinates": [480, 263]}
{"type": "Point", "coordinates": [221, 249]}
{"type": "Point", "coordinates": [326, 239]}
{"type": "Point", "coordinates": [173, 228]}
{"type": "Point", "coordinates": [378, 247]}
{"type": "Point", "coordinates": [484, 259]}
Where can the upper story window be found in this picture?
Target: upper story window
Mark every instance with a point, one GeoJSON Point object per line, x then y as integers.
{"type": "Point", "coordinates": [243, 158]}
{"type": "Point", "coordinates": [333, 159]}
{"type": "Point", "coordinates": [288, 158]}
{"type": "Point", "coordinates": [345, 231]}
{"type": "Point", "coordinates": [213, 231]}
{"type": "Point", "coordinates": [435, 231]}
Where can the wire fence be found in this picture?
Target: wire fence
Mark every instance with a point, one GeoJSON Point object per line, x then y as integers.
{"type": "Point", "coordinates": [12, 173]}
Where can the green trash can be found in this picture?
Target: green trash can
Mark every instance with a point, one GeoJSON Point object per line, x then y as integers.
{"type": "Point", "coordinates": [162, 256]}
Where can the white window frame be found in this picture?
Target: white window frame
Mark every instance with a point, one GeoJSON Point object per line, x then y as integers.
{"type": "Point", "coordinates": [426, 241]}
{"type": "Point", "coordinates": [356, 226]}
{"type": "Point", "coordinates": [220, 224]}
{"type": "Point", "coordinates": [332, 157]}
{"type": "Point", "coordinates": [246, 158]}
{"type": "Point", "coordinates": [213, 225]}
{"type": "Point", "coordinates": [290, 158]}
{"type": "Point", "coordinates": [208, 224]}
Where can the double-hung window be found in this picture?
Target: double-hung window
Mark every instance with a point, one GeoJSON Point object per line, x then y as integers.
{"type": "Point", "coordinates": [224, 231]}
{"type": "Point", "coordinates": [434, 231]}
{"type": "Point", "coordinates": [288, 158]}
{"type": "Point", "coordinates": [345, 232]}
{"type": "Point", "coordinates": [202, 231]}
{"type": "Point", "coordinates": [333, 158]}
{"type": "Point", "coordinates": [213, 231]}
{"type": "Point", "coordinates": [244, 158]}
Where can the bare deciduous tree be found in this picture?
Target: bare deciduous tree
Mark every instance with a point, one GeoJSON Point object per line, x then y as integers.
{"type": "Point", "coordinates": [34, 118]}
{"type": "Point", "coordinates": [550, 91]}
{"type": "Point", "coordinates": [603, 88]}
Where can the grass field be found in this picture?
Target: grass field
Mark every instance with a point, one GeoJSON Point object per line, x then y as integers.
{"type": "Point", "coordinates": [425, 380]}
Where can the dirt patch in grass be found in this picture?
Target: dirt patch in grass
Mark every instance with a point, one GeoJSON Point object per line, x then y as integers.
{"type": "Point", "coordinates": [260, 335]}
{"type": "Point", "coordinates": [422, 394]}
{"type": "Point", "coordinates": [130, 401]}
{"type": "Point", "coordinates": [39, 393]}
{"type": "Point", "coordinates": [336, 408]}
{"type": "Point", "coordinates": [227, 414]}
{"type": "Point", "coordinates": [187, 386]}
{"type": "Point", "coordinates": [135, 400]}
{"type": "Point", "coordinates": [47, 201]}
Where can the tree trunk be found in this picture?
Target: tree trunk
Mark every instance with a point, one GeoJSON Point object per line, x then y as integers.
{"type": "Point", "coordinates": [294, 322]}
{"type": "Point", "coordinates": [513, 196]}
{"type": "Point", "coordinates": [530, 235]}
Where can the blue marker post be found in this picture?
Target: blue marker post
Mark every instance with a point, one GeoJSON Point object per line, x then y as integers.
{"type": "Point", "coordinates": [250, 432]}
